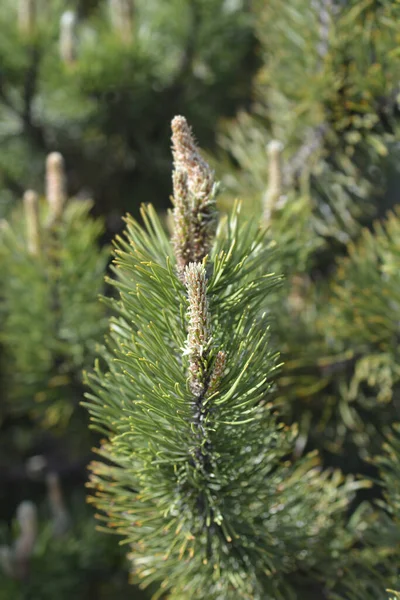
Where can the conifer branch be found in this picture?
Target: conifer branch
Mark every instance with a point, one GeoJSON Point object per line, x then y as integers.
{"type": "Point", "coordinates": [195, 473]}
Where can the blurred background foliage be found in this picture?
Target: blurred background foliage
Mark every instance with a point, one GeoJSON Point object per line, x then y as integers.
{"type": "Point", "coordinates": [297, 107]}
{"type": "Point", "coordinates": [101, 88]}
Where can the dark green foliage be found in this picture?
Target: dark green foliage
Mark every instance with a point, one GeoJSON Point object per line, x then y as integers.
{"type": "Point", "coordinates": [359, 326]}
{"type": "Point", "coordinates": [389, 469]}
{"type": "Point", "coordinates": [364, 309]}
{"type": "Point", "coordinates": [106, 110]}
{"type": "Point", "coordinates": [338, 340]}
{"type": "Point", "coordinates": [328, 91]}
{"type": "Point", "coordinates": [81, 563]}
{"type": "Point", "coordinates": [389, 464]}
{"type": "Point", "coordinates": [51, 319]}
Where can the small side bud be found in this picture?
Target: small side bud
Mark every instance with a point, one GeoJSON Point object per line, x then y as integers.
{"type": "Point", "coordinates": [31, 207]}
{"type": "Point", "coordinates": [68, 39]}
{"type": "Point", "coordinates": [27, 10]}
{"type": "Point", "coordinates": [121, 17]}
{"type": "Point", "coordinates": [55, 185]}
{"type": "Point", "coordinates": [217, 372]}
{"type": "Point", "coordinates": [274, 190]}
{"type": "Point", "coordinates": [199, 327]}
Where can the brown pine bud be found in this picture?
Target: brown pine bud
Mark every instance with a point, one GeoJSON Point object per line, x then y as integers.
{"type": "Point", "coordinates": [188, 158]}
{"type": "Point", "coordinates": [55, 185]}
{"type": "Point", "coordinates": [217, 372]}
{"type": "Point", "coordinates": [31, 207]}
{"type": "Point", "coordinates": [68, 39]}
{"type": "Point", "coordinates": [194, 198]}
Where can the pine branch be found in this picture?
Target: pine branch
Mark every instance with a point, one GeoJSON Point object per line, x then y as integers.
{"type": "Point", "coordinates": [48, 335]}
{"type": "Point", "coordinates": [193, 469]}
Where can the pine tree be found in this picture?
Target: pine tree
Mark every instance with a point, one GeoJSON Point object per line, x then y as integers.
{"type": "Point", "coordinates": [196, 470]}
{"type": "Point", "coordinates": [361, 322]}
{"type": "Point", "coordinates": [249, 352]}
{"type": "Point", "coordinates": [51, 320]}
